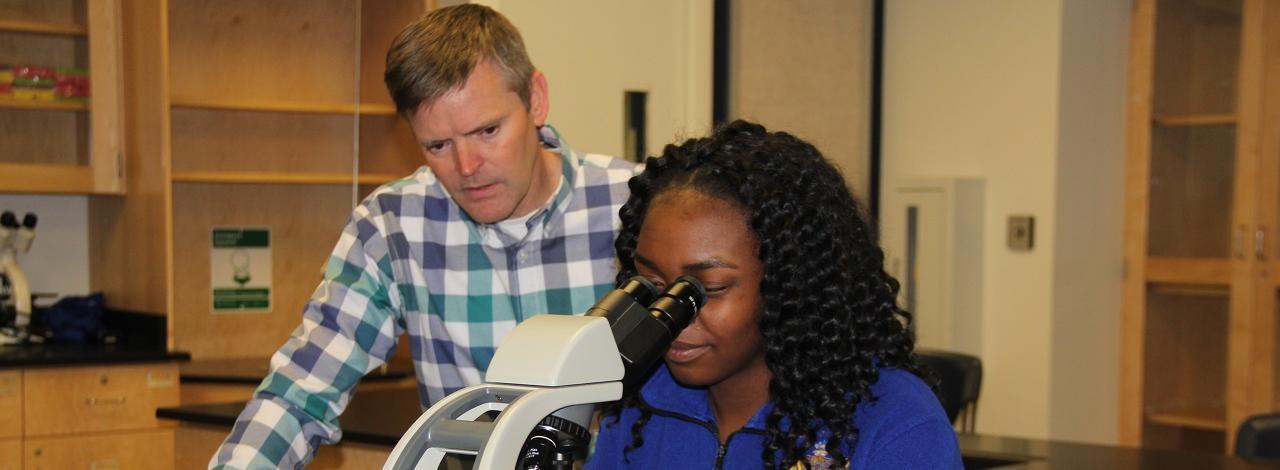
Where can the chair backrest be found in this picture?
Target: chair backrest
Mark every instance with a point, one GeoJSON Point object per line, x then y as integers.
{"type": "Point", "coordinates": [959, 383]}
{"type": "Point", "coordinates": [1259, 438]}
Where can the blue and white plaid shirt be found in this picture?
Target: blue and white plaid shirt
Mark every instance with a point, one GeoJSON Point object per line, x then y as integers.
{"type": "Point", "coordinates": [410, 260]}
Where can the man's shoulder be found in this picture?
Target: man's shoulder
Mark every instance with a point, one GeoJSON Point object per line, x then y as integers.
{"type": "Point", "coordinates": [598, 169]}
{"type": "Point", "coordinates": [420, 187]}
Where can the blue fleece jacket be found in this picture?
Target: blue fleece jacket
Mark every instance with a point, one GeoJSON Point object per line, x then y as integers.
{"type": "Point", "coordinates": [904, 428]}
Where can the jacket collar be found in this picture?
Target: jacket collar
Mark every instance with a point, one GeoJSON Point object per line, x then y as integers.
{"type": "Point", "coordinates": [663, 395]}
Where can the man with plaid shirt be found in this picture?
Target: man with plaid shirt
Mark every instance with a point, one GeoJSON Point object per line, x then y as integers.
{"type": "Point", "coordinates": [504, 222]}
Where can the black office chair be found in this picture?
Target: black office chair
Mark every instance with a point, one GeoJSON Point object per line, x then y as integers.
{"type": "Point", "coordinates": [1259, 438]}
{"type": "Point", "coordinates": [959, 382]}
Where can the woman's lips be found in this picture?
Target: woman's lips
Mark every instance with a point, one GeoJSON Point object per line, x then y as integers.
{"type": "Point", "coordinates": [681, 352]}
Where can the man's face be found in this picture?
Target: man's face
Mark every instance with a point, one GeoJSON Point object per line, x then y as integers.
{"type": "Point", "coordinates": [481, 141]}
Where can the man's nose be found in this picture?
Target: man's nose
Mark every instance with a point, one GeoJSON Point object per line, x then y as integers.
{"type": "Point", "coordinates": [468, 160]}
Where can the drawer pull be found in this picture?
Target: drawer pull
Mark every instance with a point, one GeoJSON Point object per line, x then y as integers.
{"type": "Point", "coordinates": [160, 379]}
{"type": "Point", "coordinates": [105, 401]}
{"type": "Point", "coordinates": [105, 464]}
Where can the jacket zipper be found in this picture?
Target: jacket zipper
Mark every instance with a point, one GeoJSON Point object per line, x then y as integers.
{"type": "Point", "coordinates": [722, 449]}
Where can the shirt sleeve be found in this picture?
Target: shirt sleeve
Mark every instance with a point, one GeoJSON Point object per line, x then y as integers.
{"type": "Point", "coordinates": [349, 328]}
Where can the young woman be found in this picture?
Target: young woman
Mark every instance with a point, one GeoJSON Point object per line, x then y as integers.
{"type": "Point", "coordinates": [800, 356]}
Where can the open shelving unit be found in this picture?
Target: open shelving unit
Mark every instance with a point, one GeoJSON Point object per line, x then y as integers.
{"type": "Point", "coordinates": [270, 113]}
{"type": "Point", "coordinates": [1202, 200]}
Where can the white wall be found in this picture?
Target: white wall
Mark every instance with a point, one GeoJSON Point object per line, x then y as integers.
{"type": "Point", "coordinates": [59, 258]}
{"type": "Point", "coordinates": [1005, 90]}
{"type": "Point", "coordinates": [593, 50]}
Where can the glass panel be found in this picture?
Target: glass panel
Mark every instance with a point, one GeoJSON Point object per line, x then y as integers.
{"type": "Point", "coordinates": [49, 11]}
{"type": "Point", "coordinates": [1192, 175]}
{"type": "Point", "coordinates": [1197, 56]}
{"type": "Point", "coordinates": [227, 140]}
{"type": "Point", "coordinates": [387, 147]}
{"type": "Point", "coordinates": [43, 84]}
{"type": "Point", "coordinates": [1186, 355]}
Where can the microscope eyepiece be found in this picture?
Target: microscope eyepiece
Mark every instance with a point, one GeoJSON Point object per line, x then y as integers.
{"type": "Point", "coordinates": [677, 305]}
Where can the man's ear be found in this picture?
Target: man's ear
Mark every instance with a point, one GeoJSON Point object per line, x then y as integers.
{"type": "Point", "coordinates": [539, 101]}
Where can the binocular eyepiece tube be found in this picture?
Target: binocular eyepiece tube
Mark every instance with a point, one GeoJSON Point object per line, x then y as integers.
{"type": "Point", "coordinates": [645, 321]}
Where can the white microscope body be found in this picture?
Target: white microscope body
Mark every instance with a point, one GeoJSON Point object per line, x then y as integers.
{"type": "Point", "coordinates": [545, 377]}
{"type": "Point", "coordinates": [14, 239]}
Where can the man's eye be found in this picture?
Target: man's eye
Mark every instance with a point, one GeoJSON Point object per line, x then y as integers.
{"type": "Point", "coordinates": [491, 130]}
{"type": "Point", "coordinates": [436, 148]}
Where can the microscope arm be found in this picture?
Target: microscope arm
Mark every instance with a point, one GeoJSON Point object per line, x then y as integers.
{"type": "Point", "coordinates": [547, 364]}
{"type": "Point", "coordinates": [20, 288]}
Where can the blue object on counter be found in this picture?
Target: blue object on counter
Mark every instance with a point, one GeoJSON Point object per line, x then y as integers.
{"type": "Point", "coordinates": [75, 319]}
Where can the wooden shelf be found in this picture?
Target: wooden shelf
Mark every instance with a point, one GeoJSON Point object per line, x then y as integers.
{"type": "Point", "coordinates": [285, 107]}
{"type": "Point", "coordinates": [1202, 271]}
{"type": "Point", "coordinates": [1206, 418]}
{"type": "Point", "coordinates": [42, 178]}
{"type": "Point", "coordinates": [45, 105]}
{"type": "Point", "coordinates": [43, 27]}
{"type": "Point", "coordinates": [265, 177]}
{"type": "Point", "coordinates": [1171, 120]}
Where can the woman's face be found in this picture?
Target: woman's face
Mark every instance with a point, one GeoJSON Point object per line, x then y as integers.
{"type": "Point", "coordinates": [689, 233]}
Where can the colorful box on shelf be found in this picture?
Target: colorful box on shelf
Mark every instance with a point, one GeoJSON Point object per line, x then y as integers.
{"type": "Point", "coordinates": [33, 83]}
{"type": "Point", "coordinates": [6, 81]}
{"type": "Point", "coordinates": [71, 84]}
{"type": "Point", "coordinates": [36, 83]}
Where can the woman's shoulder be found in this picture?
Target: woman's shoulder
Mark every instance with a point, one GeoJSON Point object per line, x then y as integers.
{"type": "Point", "coordinates": [899, 395]}
{"type": "Point", "coordinates": [905, 423]}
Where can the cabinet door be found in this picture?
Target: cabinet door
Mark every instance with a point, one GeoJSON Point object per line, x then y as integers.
{"type": "Point", "coordinates": [1187, 222]}
{"type": "Point", "coordinates": [72, 143]}
{"type": "Point", "coordinates": [10, 404]}
{"type": "Point", "coordinates": [1258, 332]}
{"type": "Point", "coordinates": [128, 450]}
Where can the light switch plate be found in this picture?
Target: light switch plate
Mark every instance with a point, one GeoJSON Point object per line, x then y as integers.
{"type": "Point", "coordinates": [1022, 231]}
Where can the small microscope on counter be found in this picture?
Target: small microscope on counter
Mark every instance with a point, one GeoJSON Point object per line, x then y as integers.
{"type": "Point", "coordinates": [15, 292]}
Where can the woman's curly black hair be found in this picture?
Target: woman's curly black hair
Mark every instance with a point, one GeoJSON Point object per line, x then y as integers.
{"type": "Point", "coordinates": [830, 315]}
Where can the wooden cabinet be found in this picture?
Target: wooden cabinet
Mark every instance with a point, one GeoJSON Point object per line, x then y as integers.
{"type": "Point", "coordinates": [1199, 326]}
{"type": "Point", "coordinates": [63, 146]}
{"type": "Point", "coordinates": [260, 113]}
{"type": "Point", "coordinates": [87, 417]}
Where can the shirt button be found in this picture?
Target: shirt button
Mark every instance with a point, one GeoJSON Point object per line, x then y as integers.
{"type": "Point", "coordinates": [524, 255]}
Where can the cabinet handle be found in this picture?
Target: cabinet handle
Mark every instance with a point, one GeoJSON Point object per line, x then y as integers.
{"type": "Point", "coordinates": [105, 464]}
{"type": "Point", "coordinates": [105, 401]}
{"type": "Point", "coordinates": [1259, 243]}
{"type": "Point", "coordinates": [1237, 242]}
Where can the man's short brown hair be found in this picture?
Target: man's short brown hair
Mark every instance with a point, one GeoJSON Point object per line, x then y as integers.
{"type": "Point", "coordinates": [436, 54]}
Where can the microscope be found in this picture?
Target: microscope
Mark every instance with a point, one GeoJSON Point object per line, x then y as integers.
{"type": "Point", "coordinates": [546, 377]}
{"type": "Point", "coordinates": [15, 238]}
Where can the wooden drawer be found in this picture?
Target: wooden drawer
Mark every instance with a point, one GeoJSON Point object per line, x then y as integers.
{"type": "Point", "coordinates": [10, 454]}
{"type": "Point", "coordinates": [123, 450]}
{"type": "Point", "coordinates": [89, 399]}
{"type": "Point", "coordinates": [10, 404]}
